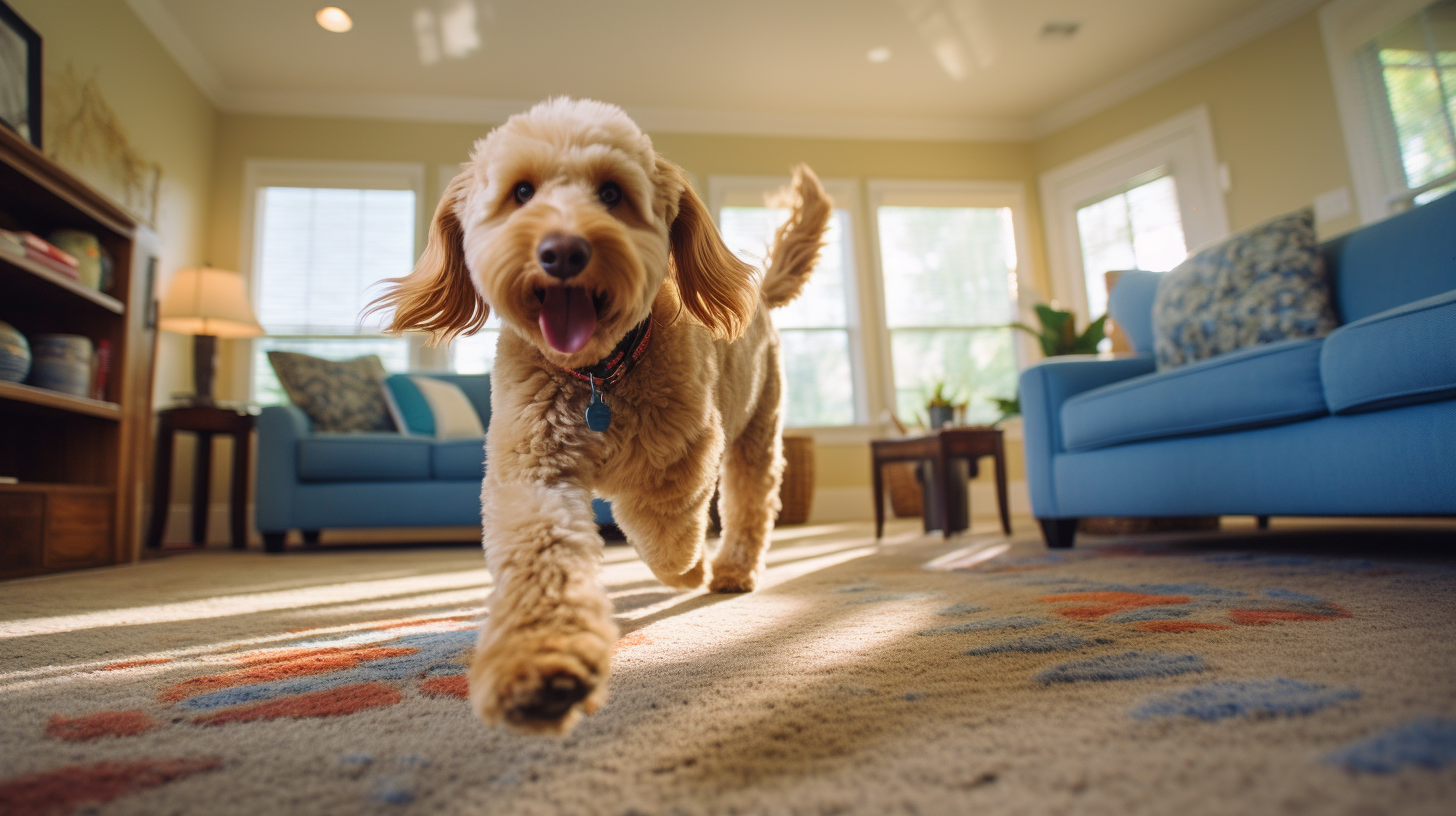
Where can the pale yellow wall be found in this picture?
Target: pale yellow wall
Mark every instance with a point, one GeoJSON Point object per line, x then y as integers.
{"type": "Point", "coordinates": [1272, 106]}
{"type": "Point", "coordinates": [1270, 102]}
{"type": "Point", "coordinates": [166, 119]}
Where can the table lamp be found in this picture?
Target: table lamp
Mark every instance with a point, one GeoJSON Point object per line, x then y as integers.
{"type": "Point", "coordinates": [207, 303]}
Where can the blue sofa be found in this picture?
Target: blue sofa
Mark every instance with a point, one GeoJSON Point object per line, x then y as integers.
{"type": "Point", "coordinates": [314, 481]}
{"type": "Point", "coordinates": [1360, 422]}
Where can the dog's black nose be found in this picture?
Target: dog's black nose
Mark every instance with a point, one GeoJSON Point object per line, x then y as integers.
{"type": "Point", "coordinates": [563, 256]}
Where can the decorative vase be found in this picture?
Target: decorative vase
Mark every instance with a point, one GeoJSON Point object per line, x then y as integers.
{"type": "Point", "coordinates": [62, 363]}
{"type": "Point", "coordinates": [14, 354]}
{"type": "Point", "coordinates": [940, 415]}
{"type": "Point", "coordinates": [87, 251]}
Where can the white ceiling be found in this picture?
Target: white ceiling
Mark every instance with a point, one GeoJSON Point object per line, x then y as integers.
{"type": "Point", "coordinates": [795, 67]}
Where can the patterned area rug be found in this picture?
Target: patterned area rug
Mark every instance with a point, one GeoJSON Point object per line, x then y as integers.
{"type": "Point", "coordinates": [1234, 673]}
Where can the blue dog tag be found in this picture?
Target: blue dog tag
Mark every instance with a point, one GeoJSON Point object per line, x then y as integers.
{"type": "Point", "coordinates": [598, 415]}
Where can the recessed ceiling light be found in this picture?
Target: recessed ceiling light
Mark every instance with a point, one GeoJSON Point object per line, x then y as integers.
{"type": "Point", "coordinates": [1059, 29]}
{"type": "Point", "coordinates": [880, 54]}
{"type": "Point", "coordinates": [334, 19]}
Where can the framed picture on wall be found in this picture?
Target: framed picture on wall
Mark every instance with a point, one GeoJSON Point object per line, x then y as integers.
{"type": "Point", "coordinates": [19, 75]}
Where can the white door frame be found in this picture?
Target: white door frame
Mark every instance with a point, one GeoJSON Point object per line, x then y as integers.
{"type": "Point", "coordinates": [1182, 146]}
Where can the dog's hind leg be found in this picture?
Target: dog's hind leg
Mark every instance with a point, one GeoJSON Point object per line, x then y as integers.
{"type": "Point", "coordinates": [665, 518]}
{"type": "Point", "coordinates": [752, 470]}
{"type": "Point", "coordinates": [545, 647]}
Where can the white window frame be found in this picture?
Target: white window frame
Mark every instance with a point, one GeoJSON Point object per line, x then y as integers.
{"type": "Point", "coordinates": [1181, 146]}
{"type": "Point", "coordinates": [1346, 26]}
{"type": "Point", "coordinates": [259, 174]}
{"type": "Point", "coordinates": [749, 191]}
{"type": "Point", "coordinates": [979, 194]}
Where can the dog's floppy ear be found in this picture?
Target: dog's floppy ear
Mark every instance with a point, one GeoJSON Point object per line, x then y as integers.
{"type": "Point", "coordinates": [438, 296]}
{"type": "Point", "coordinates": [717, 288]}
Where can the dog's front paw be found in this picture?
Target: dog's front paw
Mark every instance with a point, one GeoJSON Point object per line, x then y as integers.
{"type": "Point", "coordinates": [728, 579]}
{"type": "Point", "coordinates": [692, 579]}
{"type": "Point", "coordinates": [540, 683]}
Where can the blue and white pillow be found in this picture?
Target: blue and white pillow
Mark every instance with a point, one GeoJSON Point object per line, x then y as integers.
{"type": "Point", "coordinates": [1262, 285]}
{"type": "Point", "coordinates": [426, 406]}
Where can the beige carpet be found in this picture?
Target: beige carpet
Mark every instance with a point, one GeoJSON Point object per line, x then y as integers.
{"type": "Point", "coordinates": [1237, 673]}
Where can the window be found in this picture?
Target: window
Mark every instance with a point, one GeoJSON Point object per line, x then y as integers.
{"type": "Point", "coordinates": [474, 354]}
{"type": "Point", "coordinates": [1393, 64]}
{"type": "Point", "coordinates": [1138, 228]}
{"type": "Point", "coordinates": [1137, 204]}
{"type": "Point", "coordinates": [1412, 66]}
{"type": "Point", "coordinates": [948, 275]}
{"type": "Point", "coordinates": [817, 329]}
{"type": "Point", "coordinates": [325, 237]}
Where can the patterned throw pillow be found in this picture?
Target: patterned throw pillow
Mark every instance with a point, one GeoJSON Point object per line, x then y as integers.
{"type": "Point", "coordinates": [340, 396]}
{"type": "Point", "coordinates": [1265, 284]}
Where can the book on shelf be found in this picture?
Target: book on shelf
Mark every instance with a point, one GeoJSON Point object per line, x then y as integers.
{"type": "Point", "coordinates": [46, 248]}
{"type": "Point", "coordinates": [32, 247]}
{"type": "Point", "coordinates": [102, 369]}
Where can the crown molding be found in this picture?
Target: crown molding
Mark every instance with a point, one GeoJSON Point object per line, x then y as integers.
{"type": "Point", "coordinates": [1184, 58]}
{"type": "Point", "coordinates": [189, 57]}
{"type": "Point", "coordinates": [410, 107]}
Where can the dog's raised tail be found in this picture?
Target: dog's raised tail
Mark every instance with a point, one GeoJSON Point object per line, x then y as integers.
{"type": "Point", "coordinates": [797, 243]}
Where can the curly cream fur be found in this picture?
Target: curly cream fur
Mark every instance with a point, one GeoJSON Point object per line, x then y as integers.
{"type": "Point", "coordinates": [703, 408]}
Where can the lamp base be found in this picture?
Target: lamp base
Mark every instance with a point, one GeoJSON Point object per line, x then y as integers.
{"type": "Point", "coordinates": [204, 368]}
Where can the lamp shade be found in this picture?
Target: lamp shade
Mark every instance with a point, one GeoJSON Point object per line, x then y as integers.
{"type": "Point", "coordinates": [204, 300]}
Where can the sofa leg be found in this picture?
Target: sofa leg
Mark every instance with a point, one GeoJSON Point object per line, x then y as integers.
{"type": "Point", "coordinates": [1263, 522]}
{"type": "Point", "coordinates": [311, 537]}
{"type": "Point", "coordinates": [273, 542]}
{"type": "Point", "coordinates": [1060, 533]}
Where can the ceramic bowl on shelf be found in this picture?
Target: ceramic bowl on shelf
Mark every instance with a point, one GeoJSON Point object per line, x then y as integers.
{"type": "Point", "coordinates": [14, 354]}
{"type": "Point", "coordinates": [62, 363]}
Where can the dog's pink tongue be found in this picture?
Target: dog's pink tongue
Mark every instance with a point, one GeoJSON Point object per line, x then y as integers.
{"type": "Point", "coordinates": [568, 318]}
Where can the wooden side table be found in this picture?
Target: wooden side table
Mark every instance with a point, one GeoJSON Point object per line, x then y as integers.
{"type": "Point", "coordinates": [940, 449]}
{"type": "Point", "coordinates": [206, 421]}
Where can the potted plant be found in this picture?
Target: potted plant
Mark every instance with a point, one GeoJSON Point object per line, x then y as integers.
{"type": "Point", "coordinates": [1058, 336]}
{"type": "Point", "coordinates": [942, 408]}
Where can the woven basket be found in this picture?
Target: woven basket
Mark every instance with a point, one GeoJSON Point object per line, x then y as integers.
{"type": "Point", "coordinates": [797, 491]}
{"type": "Point", "coordinates": [906, 497]}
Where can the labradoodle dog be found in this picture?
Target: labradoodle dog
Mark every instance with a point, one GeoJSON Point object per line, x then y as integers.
{"type": "Point", "coordinates": [637, 361]}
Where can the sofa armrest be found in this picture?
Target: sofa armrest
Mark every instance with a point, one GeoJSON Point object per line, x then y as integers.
{"type": "Point", "coordinates": [280, 427]}
{"type": "Point", "coordinates": [1044, 387]}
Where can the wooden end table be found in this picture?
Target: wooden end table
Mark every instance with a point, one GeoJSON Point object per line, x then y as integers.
{"type": "Point", "coordinates": [206, 421]}
{"type": "Point", "coordinates": [940, 449]}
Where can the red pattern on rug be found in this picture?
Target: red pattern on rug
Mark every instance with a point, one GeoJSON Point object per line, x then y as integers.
{"type": "Point", "coordinates": [59, 791]}
{"type": "Point", "coordinates": [455, 685]}
{"type": "Point", "coordinates": [278, 666]}
{"type": "Point", "coordinates": [334, 702]}
{"type": "Point", "coordinates": [1264, 617]}
{"type": "Point", "coordinates": [100, 724]}
{"type": "Point", "coordinates": [1093, 605]}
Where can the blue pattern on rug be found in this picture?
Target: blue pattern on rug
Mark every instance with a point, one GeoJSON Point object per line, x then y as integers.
{"type": "Point", "coordinates": [1426, 743]}
{"type": "Point", "coordinates": [1291, 595]}
{"type": "Point", "coordinates": [1275, 697]}
{"type": "Point", "coordinates": [960, 609]}
{"type": "Point", "coordinates": [1148, 613]}
{"type": "Point", "coordinates": [986, 625]}
{"type": "Point", "coordinates": [1125, 666]}
{"type": "Point", "coordinates": [434, 648]}
{"type": "Point", "coordinates": [1037, 644]}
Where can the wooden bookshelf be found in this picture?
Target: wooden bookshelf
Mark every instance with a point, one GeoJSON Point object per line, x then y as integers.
{"type": "Point", "coordinates": [80, 462]}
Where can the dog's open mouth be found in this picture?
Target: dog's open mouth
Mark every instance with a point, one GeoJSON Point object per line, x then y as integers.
{"type": "Point", "coordinates": [568, 316]}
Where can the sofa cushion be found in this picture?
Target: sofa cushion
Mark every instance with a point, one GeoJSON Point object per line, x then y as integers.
{"type": "Point", "coordinates": [458, 458]}
{"type": "Point", "coordinates": [1265, 385]}
{"type": "Point", "coordinates": [1402, 259]}
{"type": "Point", "coordinates": [411, 410]}
{"type": "Point", "coordinates": [1265, 284]}
{"type": "Point", "coordinates": [1130, 303]}
{"type": "Point", "coordinates": [363, 457]}
{"type": "Point", "coordinates": [1398, 357]}
{"type": "Point", "coordinates": [339, 396]}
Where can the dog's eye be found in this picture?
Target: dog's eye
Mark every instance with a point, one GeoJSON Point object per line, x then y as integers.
{"type": "Point", "coordinates": [523, 192]}
{"type": "Point", "coordinates": [610, 194]}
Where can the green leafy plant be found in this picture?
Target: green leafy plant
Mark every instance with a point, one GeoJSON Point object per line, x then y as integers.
{"type": "Point", "coordinates": [1058, 333]}
{"type": "Point", "coordinates": [1058, 336]}
{"type": "Point", "coordinates": [939, 399]}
